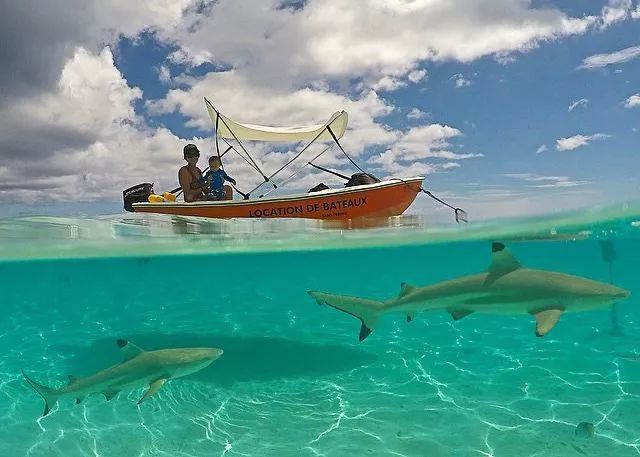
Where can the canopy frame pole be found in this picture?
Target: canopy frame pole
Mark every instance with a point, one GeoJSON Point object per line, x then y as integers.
{"type": "Point", "coordinates": [217, 147]}
{"type": "Point", "coordinates": [236, 138]}
{"type": "Point", "coordinates": [298, 172]}
{"type": "Point", "coordinates": [343, 151]}
{"type": "Point", "coordinates": [294, 158]}
{"type": "Point", "coordinates": [239, 154]}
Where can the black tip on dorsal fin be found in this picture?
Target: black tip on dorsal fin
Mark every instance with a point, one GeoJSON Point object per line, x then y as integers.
{"type": "Point", "coordinates": [497, 247]}
{"type": "Point", "coordinates": [121, 343]}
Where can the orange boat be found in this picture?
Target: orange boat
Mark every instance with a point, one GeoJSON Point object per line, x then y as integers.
{"type": "Point", "coordinates": [363, 195]}
{"type": "Point", "coordinates": [381, 199]}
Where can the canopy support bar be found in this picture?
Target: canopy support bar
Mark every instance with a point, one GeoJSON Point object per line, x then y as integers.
{"type": "Point", "coordinates": [343, 151]}
{"type": "Point", "coordinates": [257, 168]}
{"type": "Point", "coordinates": [294, 158]}
{"type": "Point", "coordinates": [295, 173]}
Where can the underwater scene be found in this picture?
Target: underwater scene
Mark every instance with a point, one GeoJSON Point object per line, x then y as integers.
{"type": "Point", "coordinates": [134, 335]}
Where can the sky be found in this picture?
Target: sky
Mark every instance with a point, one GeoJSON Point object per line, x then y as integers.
{"type": "Point", "coordinates": [507, 107]}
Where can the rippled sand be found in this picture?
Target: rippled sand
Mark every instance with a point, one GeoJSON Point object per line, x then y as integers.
{"type": "Point", "coordinates": [294, 381]}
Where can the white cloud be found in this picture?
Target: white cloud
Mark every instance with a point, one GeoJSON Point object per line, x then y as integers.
{"type": "Point", "coordinates": [633, 101]}
{"type": "Point", "coordinates": [636, 14]}
{"type": "Point", "coordinates": [416, 114]}
{"type": "Point", "coordinates": [417, 75]}
{"type": "Point", "coordinates": [388, 84]}
{"type": "Point", "coordinates": [614, 58]}
{"type": "Point", "coordinates": [544, 182]}
{"type": "Point", "coordinates": [488, 202]}
{"type": "Point", "coordinates": [85, 118]}
{"type": "Point", "coordinates": [616, 11]}
{"type": "Point", "coordinates": [576, 104]}
{"type": "Point", "coordinates": [542, 149]}
{"type": "Point", "coordinates": [576, 141]}
{"type": "Point", "coordinates": [460, 80]}
{"type": "Point", "coordinates": [504, 58]}
{"type": "Point", "coordinates": [333, 39]}
{"type": "Point", "coordinates": [420, 143]}
{"type": "Point", "coordinates": [164, 74]}
{"type": "Point", "coordinates": [93, 102]}
{"type": "Point", "coordinates": [235, 96]}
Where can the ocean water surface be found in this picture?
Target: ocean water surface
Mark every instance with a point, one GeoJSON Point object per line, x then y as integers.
{"type": "Point", "coordinates": [293, 379]}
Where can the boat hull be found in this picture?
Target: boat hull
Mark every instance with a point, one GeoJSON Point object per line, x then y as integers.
{"type": "Point", "coordinates": [383, 199]}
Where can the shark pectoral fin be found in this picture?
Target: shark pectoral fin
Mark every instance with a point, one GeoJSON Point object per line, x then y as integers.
{"type": "Point", "coordinates": [153, 388]}
{"type": "Point", "coordinates": [546, 320]}
{"type": "Point", "coordinates": [459, 314]}
{"type": "Point", "coordinates": [409, 317]}
{"type": "Point", "coordinates": [502, 263]}
{"type": "Point", "coordinates": [110, 395]}
{"type": "Point", "coordinates": [129, 350]}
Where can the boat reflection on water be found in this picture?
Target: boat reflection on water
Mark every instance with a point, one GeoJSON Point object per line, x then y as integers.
{"type": "Point", "coordinates": [370, 222]}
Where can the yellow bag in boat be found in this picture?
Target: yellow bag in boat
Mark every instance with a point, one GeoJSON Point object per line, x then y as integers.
{"type": "Point", "coordinates": [153, 198]}
{"type": "Point", "coordinates": [168, 196]}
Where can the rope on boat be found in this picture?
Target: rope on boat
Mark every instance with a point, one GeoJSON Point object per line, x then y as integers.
{"type": "Point", "coordinates": [461, 215]}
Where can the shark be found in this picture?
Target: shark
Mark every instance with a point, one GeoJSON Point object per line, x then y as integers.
{"type": "Point", "coordinates": [506, 287]}
{"type": "Point", "coordinates": [138, 368]}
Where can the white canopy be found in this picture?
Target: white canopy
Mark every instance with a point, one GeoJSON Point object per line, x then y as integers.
{"type": "Point", "coordinates": [337, 122]}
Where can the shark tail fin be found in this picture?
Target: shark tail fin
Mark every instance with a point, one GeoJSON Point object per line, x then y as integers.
{"type": "Point", "coordinates": [47, 393]}
{"type": "Point", "coordinates": [368, 311]}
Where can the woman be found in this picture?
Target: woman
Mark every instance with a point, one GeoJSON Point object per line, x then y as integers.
{"type": "Point", "coordinates": [190, 176]}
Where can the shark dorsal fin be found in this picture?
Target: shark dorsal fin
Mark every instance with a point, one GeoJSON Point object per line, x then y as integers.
{"type": "Point", "coordinates": [129, 350]}
{"type": "Point", "coordinates": [502, 263]}
{"type": "Point", "coordinates": [405, 289]}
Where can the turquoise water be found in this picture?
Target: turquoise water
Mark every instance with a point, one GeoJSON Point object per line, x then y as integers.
{"type": "Point", "coordinates": [294, 380]}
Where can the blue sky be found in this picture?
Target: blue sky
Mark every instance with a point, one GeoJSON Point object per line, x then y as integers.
{"type": "Point", "coordinates": [501, 105]}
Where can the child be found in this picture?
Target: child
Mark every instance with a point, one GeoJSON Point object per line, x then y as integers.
{"type": "Point", "coordinates": [216, 177]}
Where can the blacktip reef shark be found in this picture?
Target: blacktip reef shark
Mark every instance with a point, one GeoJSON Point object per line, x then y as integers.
{"type": "Point", "coordinates": [505, 288]}
{"type": "Point", "coordinates": [139, 368]}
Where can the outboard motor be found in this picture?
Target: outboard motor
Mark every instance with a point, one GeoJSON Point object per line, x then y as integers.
{"type": "Point", "coordinates": [136, 194]}
{"type": "Point", "coordinates": [360, 179]}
